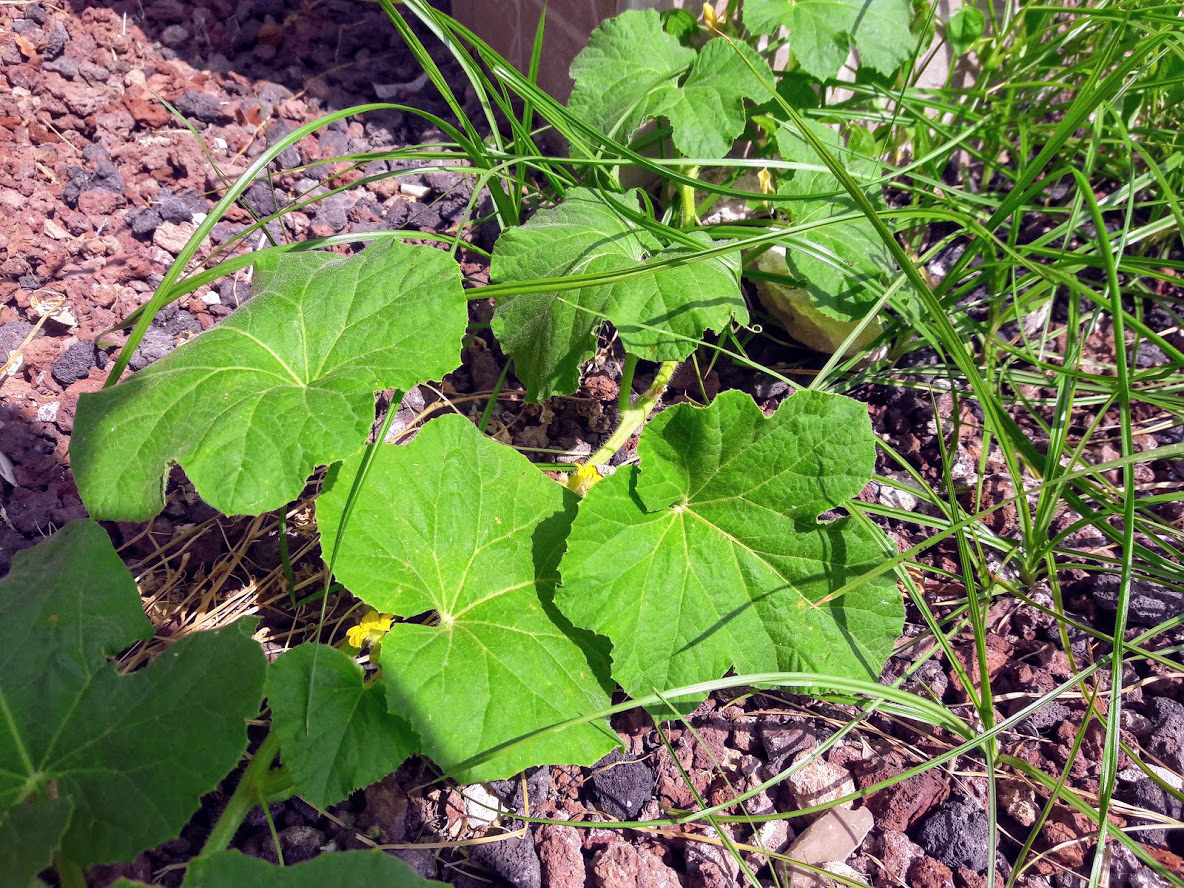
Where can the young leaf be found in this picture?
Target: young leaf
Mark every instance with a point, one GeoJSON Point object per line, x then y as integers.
{"type": "Point", "coordinates": [821, 31]}
{"type": "Point", "coordinates": [844, 256]}
{"type": "Point", "coordinates": [964, 27]}
{"type": "Point", "coordinates": [710, 557]}
{"type": "Point", "coordinates": [629, 71]}
{"type": "Point", "coordinates": [373, 868]}
{"type": "Point", "coordinates": [119, 748]}
{"type": "Point", "coordinates": [660, 316]}
{"type": "Point", "coordinates": [457, 524]}
{"type": "Point", "coordinates": [287, 383]}
{"type": "Point", "coordinates": [29, 834]}
{"type": "Point", "coordinates": [335, 732]}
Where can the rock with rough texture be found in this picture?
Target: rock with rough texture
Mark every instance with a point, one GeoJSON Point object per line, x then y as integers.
{"type": "Point", "coordinates": [1019, 801]}
{"type": "Point", "coordinates": [783, 740]}
{"type": "Point", "coordinates": [957, 834]}
{"type": "Point", "coordinates": [201, 106]}
{"type": "Point", "coordinates": [172, 236]}
{"type": "Point", "coordinates": [897, 853]}
{"type": "Point", "coordinates": [154, 346]}
{"type": "Point", "coordinates": [1167, 740]}
{"type": "Point", "coordinates": [929, 873]}
{"type": "Point", "coordinates": [74, 364]}
{"type": "Point", "coordinates": [832, 837]}
{"type": "Point", "coordinates": [620, 787]}
{"type": "Point", "coordinates": [1147, 603]}
{"type": "Point", "coordinates": [710, 865]}
{"type": "Point", "coordinates": [513, 859]}
{"type": "Point", "coordinates": [816, 781]}
{"type": "Point", "coordinates": [561, 858]}
{"type": "Point", "coordinates": [899, 806]}
{"type": "Point", "coordinates": [621, 865]}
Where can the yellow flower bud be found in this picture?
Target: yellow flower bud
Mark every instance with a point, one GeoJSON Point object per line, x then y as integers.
{"type": "Point", "coordinates": [583, 478]}
{"type": "Point", "coordinates": [765, 181]}
{"type": "Point", "coordinates": [709, 17]}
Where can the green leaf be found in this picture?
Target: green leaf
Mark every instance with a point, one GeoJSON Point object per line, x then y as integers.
{"type": "Point", "coordinates": [465, 528]}
{"type": "Point", "coordinates": [626, 74]}
{"type": "Point", "coordinates": [119, 748]}
{"type": "Point", "coordinates": [841, 258]}
{"type": "Point", "coordinates": [710, 556]}
{"type": "Point", "coordinates": [965, 27]}
{"type": "Point", "coordinates": [629, 71]}
{"type": "Point", "coordinates": [29, 834]}
{"type": "Point", "coordinates": [660, 316]}
{"type": "Point", "coordinates": [373, 868]}
{"type": "Point", "coordinates": [708, 114]}
{"type": "Point", "coordinates": [335, 732]}
{"type": "Point", "coordinates": [821, 31]}
{"type": "Point", "coordinates": [286, 384]}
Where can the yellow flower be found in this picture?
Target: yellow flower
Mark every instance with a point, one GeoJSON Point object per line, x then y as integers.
{"type": "Point", "coordinates": [765, 181]}
{"type": "Point", "coordinates": [370, 629]}
{"type": "Point", "coordinates": [709, 17]}
{"type": "Point", "coordinates": [582, 479]}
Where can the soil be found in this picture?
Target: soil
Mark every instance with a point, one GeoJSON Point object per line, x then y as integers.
{"type": "Point", "coordinates": [100, 187]}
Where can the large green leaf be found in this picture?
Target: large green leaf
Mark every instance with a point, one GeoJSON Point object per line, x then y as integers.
{"type": "Point", "coordinates": [335, 732]}
{"type": "Point", "coordinates": [821, 31]}
{"type": "Point", "coordinates": [287, 383]}
{"type": "Point", "coordinates": [629, 73]}
{"type": "Point", "coordinates": [29, 834]}
{"type": "Point", "coordinates": [465, 528]}
{"type": "Point", "coordinates": [370, 868]}
{"type": "Point", "coordinates": [708, 113]}
{"type": "Point", "coordinates": [710, 556]}
{"type": "Point", "coordinates": [837, 261]}
{"type": "Point", "coordinates": [121, 749]}
{"type": "Point", "coordinates": [660, 316]}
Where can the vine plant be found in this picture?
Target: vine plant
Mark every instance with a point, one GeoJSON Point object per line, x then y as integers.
{"type": "Point", "coordinates": [506, 606]}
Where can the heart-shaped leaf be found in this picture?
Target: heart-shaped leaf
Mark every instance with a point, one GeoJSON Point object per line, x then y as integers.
{"type": "Point", "coordinates": [252, 407]}
{"type": "Point", "coordinates": [335, 732]}
{"type": "Point", "coordinates": [821, 31]}
{"type": "Point", "coordinates": [120, 749]}
{"type": "Point", "coordinates": [710, 556]}
{"type": "Point", "coordinates": [630, 73]}
{"type": "Point", "coordinates": [661, 316]}
{"type": "Point", "coordinates": [461, 527]}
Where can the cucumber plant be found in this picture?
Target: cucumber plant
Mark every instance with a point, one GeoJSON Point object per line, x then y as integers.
{"type": "Point", "coordinates": [506, 606]}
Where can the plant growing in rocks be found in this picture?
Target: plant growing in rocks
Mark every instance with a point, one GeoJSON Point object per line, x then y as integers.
{"type": "Point", "coordinates": [705, 545]}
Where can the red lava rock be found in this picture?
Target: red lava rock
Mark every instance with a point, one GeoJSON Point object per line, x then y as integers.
{"type": "Point", "coordinates": [968, 878]}
{"type": "Point", "coordinates": [561, 856]}
{"type": "Point", "coordinates": [1064, 826]}
{"type": "Point", "coordinates": [929, 873]}
{"type": "Point", "coordinates": [897, 853]}
{"type": "Point", "coordinates": [68, 403]}
{"type": "Point", "coordinates": [899, 806]}
{"type": "Point", "coordinates": [712, 751]}
{"type": "Point", "coordinates": [40, 354]}
{"type": "Point", "coordinates": [99, 202]}
{"type": "Point", "coordinates": [625, 866]}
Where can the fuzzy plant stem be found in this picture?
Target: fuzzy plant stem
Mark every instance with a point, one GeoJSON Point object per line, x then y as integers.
{"type": "Point", "coordinates": [634, 416]}
{"type": "Point", "coordinates": [246, 795]}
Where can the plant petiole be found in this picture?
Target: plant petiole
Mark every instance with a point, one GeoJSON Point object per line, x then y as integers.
{"type": "Point", "coordinates": [632, 417]}
{"type": "Point", "coordinates": [252, 789]}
